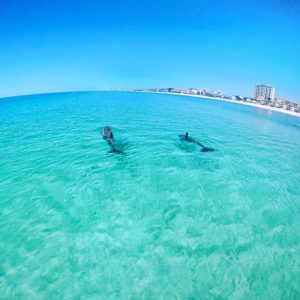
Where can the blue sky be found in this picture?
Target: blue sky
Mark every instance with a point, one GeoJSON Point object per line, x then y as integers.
{"type": "Point", "coordinates": [48, 46]}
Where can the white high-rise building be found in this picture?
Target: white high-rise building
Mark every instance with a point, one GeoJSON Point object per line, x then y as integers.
{"type": "Point", "coordinates": [264, 92]}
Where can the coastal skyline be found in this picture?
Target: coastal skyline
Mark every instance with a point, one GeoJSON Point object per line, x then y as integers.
{"type": "Point", "coordinates": [93, 45]}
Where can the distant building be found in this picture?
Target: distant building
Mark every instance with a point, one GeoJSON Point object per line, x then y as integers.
{"type": "Point", "coordinates": [218, 93]}
{"type": "Point", "coordinates": [264, 92]}
{"type": "Point", "coordinates": [238, 97]}
{"type": "Point", "coordinates": [204, 91]}
{"type": "Point", "coordinates": [281, 101]}
{"type": "Point", "coordinates": [193, 91]}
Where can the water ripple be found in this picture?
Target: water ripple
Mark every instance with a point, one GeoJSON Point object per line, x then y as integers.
{"type": "Point", "coordinates": [164, 220]}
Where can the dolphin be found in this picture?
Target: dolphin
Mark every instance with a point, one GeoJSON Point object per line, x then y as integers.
{"type": "Point", "coordinates": [191, 140]}
{"type": "Point", "coordinates": [107, 134]}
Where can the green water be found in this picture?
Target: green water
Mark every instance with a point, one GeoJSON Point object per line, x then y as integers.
{"type": "Point", "coordinates": [162, 221]}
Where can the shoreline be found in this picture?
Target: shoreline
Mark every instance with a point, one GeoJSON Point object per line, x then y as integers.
{"type": "Point", "coordinates": [255, 105]}
{"type": "Point", "coordinates": [265, 107]}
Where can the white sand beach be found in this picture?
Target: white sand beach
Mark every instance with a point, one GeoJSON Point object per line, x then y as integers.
{"type": "Point", "coordinates": [280, 110]}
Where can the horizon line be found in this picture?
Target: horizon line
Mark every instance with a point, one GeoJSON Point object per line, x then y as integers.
{"type": "Point", "coordinates": [95, 90]}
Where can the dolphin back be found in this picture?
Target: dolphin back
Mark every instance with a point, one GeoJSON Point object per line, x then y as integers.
{"type": "Point", "coordinates": [189, 139]}
{"type": "Point", "coordinates": [106, 132]}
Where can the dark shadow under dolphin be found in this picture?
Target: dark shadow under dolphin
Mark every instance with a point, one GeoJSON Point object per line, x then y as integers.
{"type": "Point", "coordinates": [107, 134]}
{"type": "Point", "coordinates": [186, 138]}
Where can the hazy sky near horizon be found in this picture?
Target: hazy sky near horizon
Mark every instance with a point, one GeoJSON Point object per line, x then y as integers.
{"type": "Point", "coordinates": [48, 46]}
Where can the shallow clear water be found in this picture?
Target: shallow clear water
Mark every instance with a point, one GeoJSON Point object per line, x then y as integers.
{"type": "Point", "coordinates": [162, 221]}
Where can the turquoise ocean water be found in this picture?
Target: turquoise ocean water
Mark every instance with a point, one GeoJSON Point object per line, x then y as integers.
{"type": "Point", "coordinates": [162, 221]}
